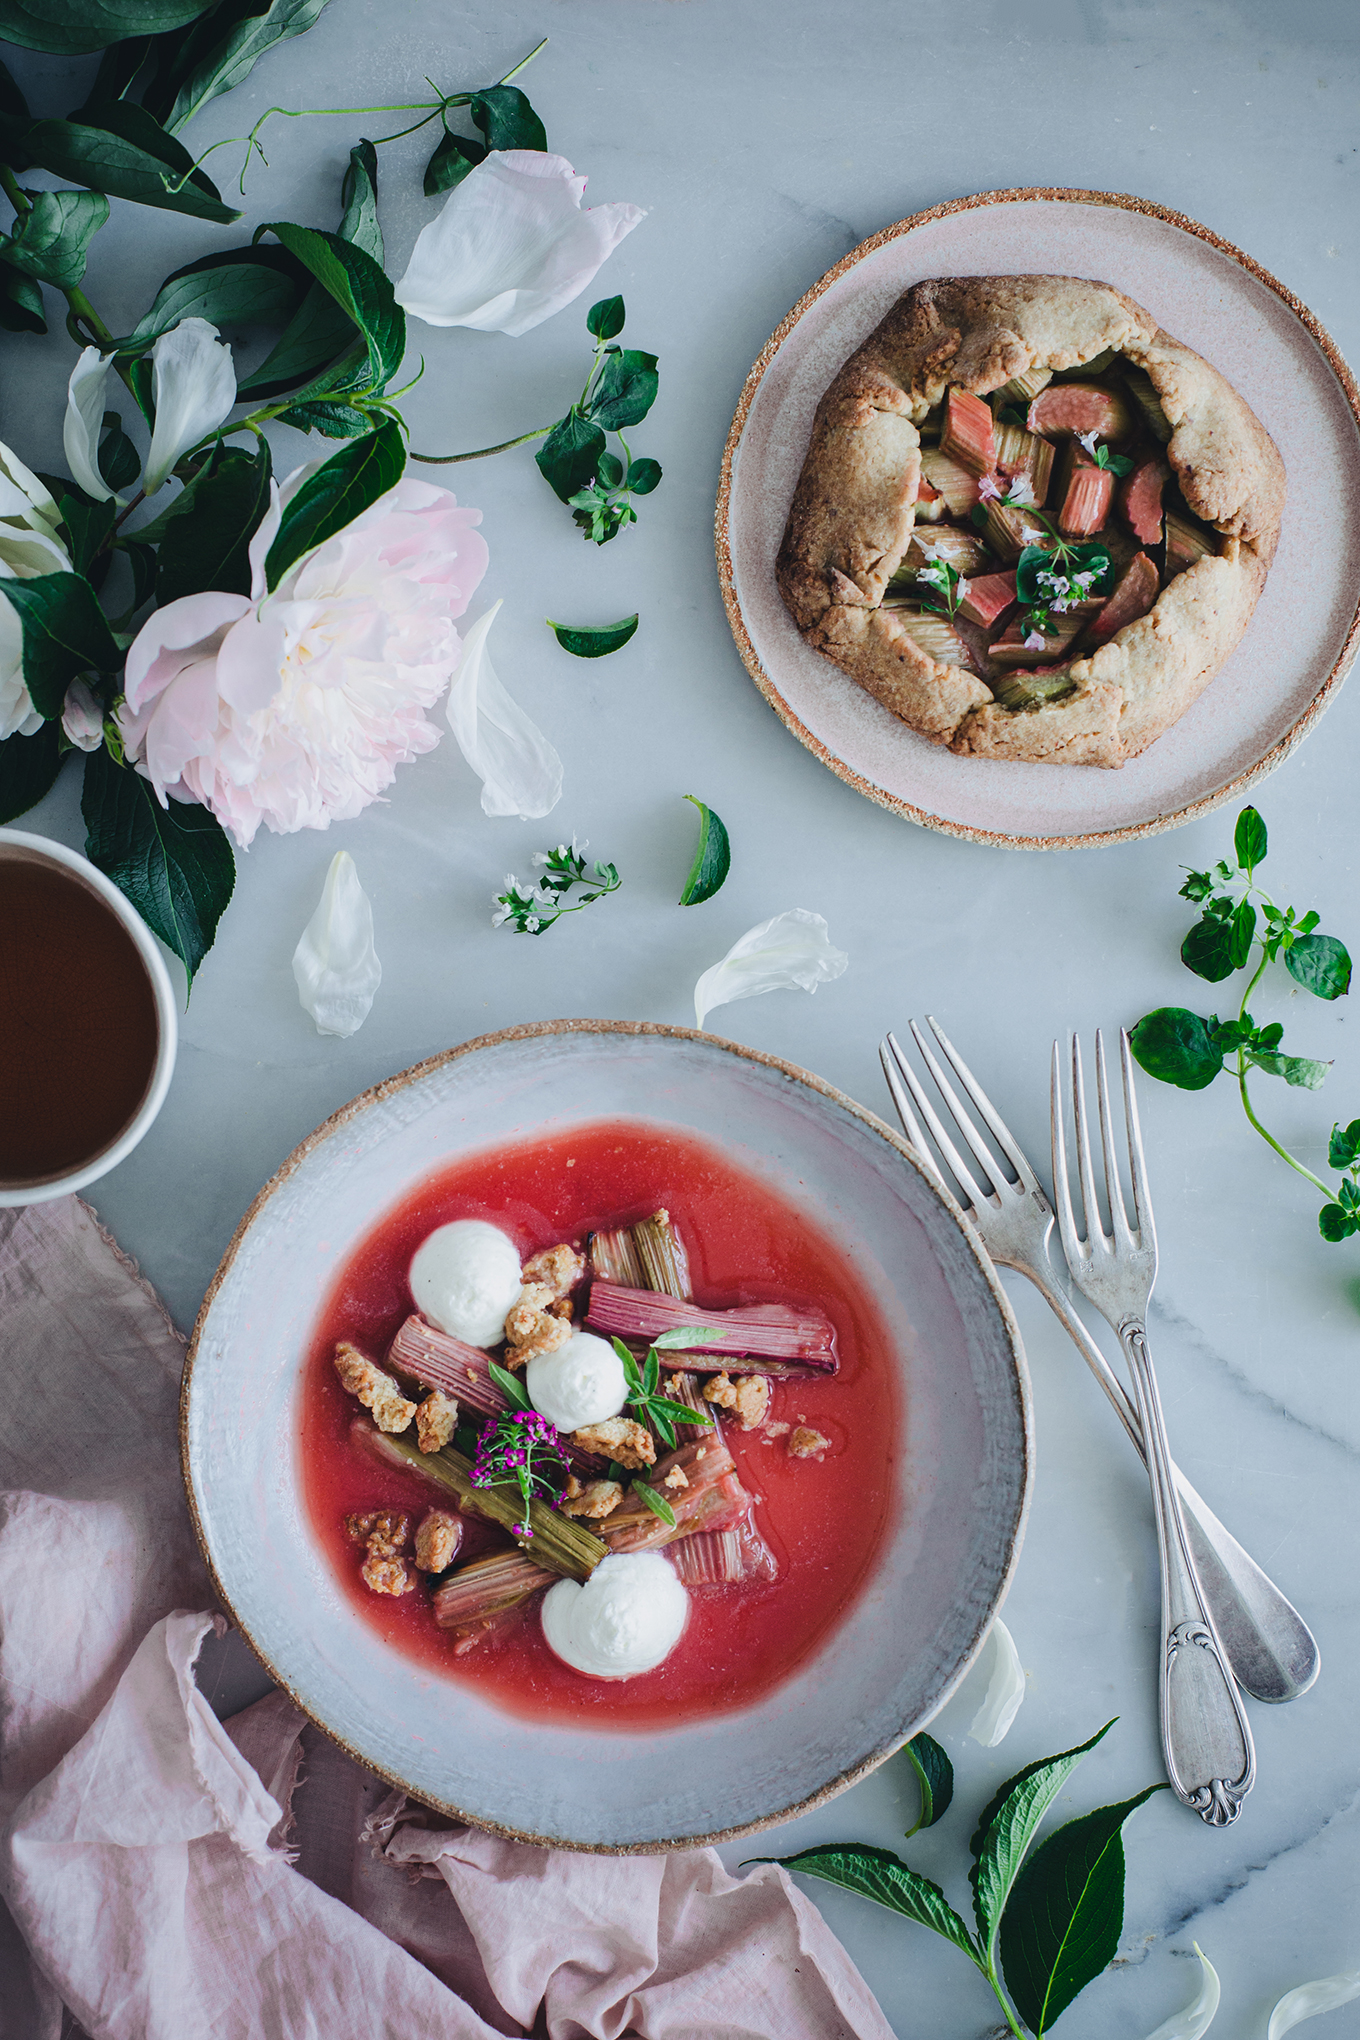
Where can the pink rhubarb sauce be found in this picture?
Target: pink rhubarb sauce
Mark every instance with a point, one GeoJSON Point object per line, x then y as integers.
{"type": "Point", "coordinates": [824, 1519]}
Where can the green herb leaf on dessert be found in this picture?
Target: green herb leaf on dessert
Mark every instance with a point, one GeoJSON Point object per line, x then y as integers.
{"type": "Point", "coordinates": [510, 1386]}
{"type": "Point", "coordinates": [594, 641]}
{"type": "Point", "coordinates": [657, 1503]}
{"type": "Point", "coordinates": [712, 857]}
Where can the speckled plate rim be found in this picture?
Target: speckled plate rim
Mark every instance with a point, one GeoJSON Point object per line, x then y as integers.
{"type": "Point", "coordinates": [1095, 839]}
{"type": "Point", "coordinates": [637, 1028]}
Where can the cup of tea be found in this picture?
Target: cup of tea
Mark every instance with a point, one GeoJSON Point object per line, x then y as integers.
{"type": "Point", "coordinates": [87, 1022]}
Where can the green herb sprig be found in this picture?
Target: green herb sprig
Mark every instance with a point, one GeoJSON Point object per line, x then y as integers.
{"type": "Point", "coordinates": [1047, 1921]}
{"type": "Point", "coordinates": [650, 1407]}
{"type": "Point", "coordinates": [941, 585]}
{"type": "Point", "coordinates": [1179, 1047]}
{"type": "Point", "coordinates": [532, 909]}
{"type": "Point", "coordinates": [597, 486]}
{"type": "Point", "coordinates": [1116, 463]}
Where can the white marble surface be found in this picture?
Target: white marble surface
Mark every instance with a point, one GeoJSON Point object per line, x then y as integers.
{"type": "Point", "coordinates": [766, 140]}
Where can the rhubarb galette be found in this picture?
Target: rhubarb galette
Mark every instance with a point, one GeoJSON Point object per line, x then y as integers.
{"type": "Point", "coordinates": [1029, 522]}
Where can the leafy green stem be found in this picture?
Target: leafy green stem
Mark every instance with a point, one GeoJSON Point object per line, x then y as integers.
{"type": "Point", "coordinates": [1269, 1138]}
{"type": "Point", "coordinates": [480, 452]}
{"type": "Point", "coordinates": [988, 1969]}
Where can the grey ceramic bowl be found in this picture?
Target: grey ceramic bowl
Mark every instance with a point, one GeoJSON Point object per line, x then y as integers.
{"type": "Point", "coordinates": [965, 1468]}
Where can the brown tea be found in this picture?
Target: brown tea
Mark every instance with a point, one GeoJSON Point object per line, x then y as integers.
{"type": "Point", "coordinates": [78, 1026]}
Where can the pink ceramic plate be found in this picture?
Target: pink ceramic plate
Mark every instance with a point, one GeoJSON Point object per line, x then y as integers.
{"type": "Point", "coordinates": [1301, 639]}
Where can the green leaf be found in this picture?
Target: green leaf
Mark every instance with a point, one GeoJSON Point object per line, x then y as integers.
{"type": "Point", "coordinates": [680, 1412]}
{"type": "Point", "coordinates": [118, 148]}
{"type": "Point", "coordinates": [1335, 1223]}
{"type": "Point", "coordinates": [609, 471]}
{"type": "Point", "coordinates": [142, 560]}
{"type": "Point", "coordinates": [88, 526]}
{"type": "Point", "coordinates": [317, 337]}
{"type": "Point", "coordinates": [76, 27]}
{"type": "Point", "coordinates": [568, 455]}
{"type": "Point", "coordinates": [665, 1430]}
{"type": "Point", "coordinates": [1008, 1826]}
{"type": "Point", "coordinates": [712, 858]}
{"type": "Point", "coordinates": [335, 421]}
{"type": "Point", "coordinates": [1208, 950]}
{"type": "Point", "coordinates": [630, 1366]}
{"type": "Point", "coordinates": [1249, 840]}
{"type": "Point", "coordinates": [1241, 932]}
{"type": "Point", "coordinates": [1321, 965]}
{"type": "Point", "coordinates": [12, 100]}
{"type": "Point", "coordinates": [934, 1775]}
{"type": "Point", "coordinates": [510, 1386]}
{"type": "Point", "coordinates": [28, 769]}
{"type": "Point", "coordinates": [359, 197]}
{"type": "Point", "coordinates": [643, 475]}
{"type": "Point", "coordinates": [1177, 1047]}
{"type": "Point", "coordinates": [52, 240]}
{"type": "Point", "coordinates": [1299, 1070]}
{"type": "Point", "coordinates": [626, 389]}
{"type": "Point", "coordinates": [658, 1504]}
{"type": "Point", "coordinates": [1344, 1146]}
{"type": "Point", "coordinates": [359, 287]}
{"type": "Point", "coordinates": [173, 863]}
{"type": "Point", "coordinates": [1066, 1913]}
{"type": "Point", "coordinates": [450, 163]}
{"type": "Point", "coordinates": [252, 286]}
{"type": "Point", "coordinates": [119, 461]}
{"type": "Point", "coordinates": [593, 641]}
{"type": "Point", "coordinates": [120, 66]}
{"type": "Point", "coordinates": [209, 547]}
{"type": "Point", "coordinates": [208, 62]}
{"type": "Point", "coordinates": [880, 1875]}
{"type": "Point", "coordinates": [340, 490]}
{"type": "Point", "coordinates": [651, 1372]}
{"type": "Point", "coordinates": [507, 120]}
{"type": "Point", "coordinates": [685, 1336]}
{"type": "Point", "coordinates": [605, 318]}
{"type": "Point", "coordinates": [65, 633]}
{"type": "Point", "coordinates": [21, 301]}
{"type": "Point", "coordinates": [1198, 886]}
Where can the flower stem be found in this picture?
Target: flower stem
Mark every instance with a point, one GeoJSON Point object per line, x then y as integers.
{"type": "Point", "coordinates": [990, 1974]}
{"type": "Point", "coordinates": [1270, 1139]}
{"type": "Point", "coordinates": [10, 184]}
{"type": "Point", "coordinates": [481, 452]}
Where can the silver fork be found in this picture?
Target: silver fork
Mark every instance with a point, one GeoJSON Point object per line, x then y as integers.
{"type": "Point", "coordinates": [1270, 1647]}
{"type": "Point", "coordinates": [1205, 1738]}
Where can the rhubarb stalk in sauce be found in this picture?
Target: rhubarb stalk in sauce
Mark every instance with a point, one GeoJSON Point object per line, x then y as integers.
{"type": "Point", "coordinates": [823, 1518]}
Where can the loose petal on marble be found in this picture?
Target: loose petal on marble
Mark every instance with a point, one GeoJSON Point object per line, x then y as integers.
{"type": "Point", "coordinates": [521, 773]}
{"type": "Point", "coordinates": [791, 952]}
{"type": "Point", "coordinates": [511, 246]}
{"type": "Point", "coordinates": [193, 383]}
{"type": "Point", "coordinates": [1005, 1691]}
{"type": "Point", "coordinates": [1310, 1999]}
{"type": "Point", "coordinates": [84, 421]}
{"type": "Point", "coordinates": [1198, 2015]}
{"type": "Point", "coordinates": [335, 963]}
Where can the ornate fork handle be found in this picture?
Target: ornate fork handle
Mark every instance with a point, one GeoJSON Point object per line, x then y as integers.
{"type": "Point", "coordinates": [1209, 1754]}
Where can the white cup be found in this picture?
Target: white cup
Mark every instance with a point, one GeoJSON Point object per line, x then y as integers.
{"type": "Point", "coordinates": [42, 1189]}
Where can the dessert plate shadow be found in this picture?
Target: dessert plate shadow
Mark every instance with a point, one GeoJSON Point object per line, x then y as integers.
{"type": "Point", "coordinates": [1302, 636]}
{"type": "Point", "coordinates": [964, 1460]}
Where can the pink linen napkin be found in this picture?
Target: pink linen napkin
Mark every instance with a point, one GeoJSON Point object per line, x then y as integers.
{"type": "Point", "coordinates": [169, 1876]}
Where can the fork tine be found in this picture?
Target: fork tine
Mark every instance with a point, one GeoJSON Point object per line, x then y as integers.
{"type": "Point", "coordinates": [888, 1053]}
{"type": "Point", "coordinates": [995, 1124]}
{"type": "Point", "coordinates": [972, 1194]}
{"type": "Point", "coordinates": [1142, 1200]}
{"type": "Point", "coordinates": [1062, 1194]}
{"type": "Point", "coordinates": [1114, 1191]}
{"type": "Point", "coordinates": [1085, 1173]}
{"type": "Point", "coordinates": [986, 1161]}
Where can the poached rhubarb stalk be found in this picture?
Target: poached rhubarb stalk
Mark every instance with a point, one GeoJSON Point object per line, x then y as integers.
{"type": "Point", "coordinates": [755, 1331]}
{"type": "Point", "coordinates": [561, 1545]}
{"type": "Point", "coordinates": [716, 1558]}
{"type": "Point", "coordinates": [445, 1363]}
{"type": "Point", "coordinates": [648, 1255]}
{"type": "Point", "coordinates": [713, 1499]}
{"type": "Point", "coordinates": [968, 436]}
{"type": "Point", "coordinates": [484, 1595]}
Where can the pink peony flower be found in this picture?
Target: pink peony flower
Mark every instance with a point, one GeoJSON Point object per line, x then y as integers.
{"type": "Point", "coordinates": [295, 709]}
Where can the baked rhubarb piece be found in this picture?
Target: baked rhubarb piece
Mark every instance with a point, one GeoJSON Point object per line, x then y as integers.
{"type": "Point", "coordinates": [1047, 412]}
{"type": "Point", "coordinates": [989, 601]}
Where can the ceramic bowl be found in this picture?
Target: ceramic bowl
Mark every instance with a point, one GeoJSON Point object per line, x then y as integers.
{"type": "Point", "coordinates": [963, 1479]}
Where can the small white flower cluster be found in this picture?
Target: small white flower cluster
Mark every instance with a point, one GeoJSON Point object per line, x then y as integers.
{"type": "Point", "coordinates": [1020, 495]}
{"type": "Point", "coordinates": [519, 903]}
{"type": "Point", "coordinates": [1088, 440]}
{"type": "Point", "coordinates": [1065, 590]}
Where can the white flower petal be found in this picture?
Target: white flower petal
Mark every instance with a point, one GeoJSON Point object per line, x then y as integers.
{"type": "Point", "coordinates": [1198, 2015]}
{"type": "Point", "coordinates": [335, 963]}
{"type": "Point", "coordinates": [193, 383]}
{"type": "Point", "coordinates": [84, 421]}
{"type": "Point", "coordinates": [1310, 1999]}
{"type": "Point", "coordinates": [791, 952]}
{"type": "Point", "coordinates": [511, 246]}
{"type": "Point", "coordinates": [521, 774]}
{"type": "Point", "coordinates": [1005, 1690]}
{"type": "Point", "coordinates": [82, 717]}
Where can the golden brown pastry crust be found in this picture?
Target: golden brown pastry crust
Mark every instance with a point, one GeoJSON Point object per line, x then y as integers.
{"type": "Point", "coordinates": [853, 511]}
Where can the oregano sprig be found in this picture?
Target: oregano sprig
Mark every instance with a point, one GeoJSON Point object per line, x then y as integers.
{"type": "Point", "coordinates": [1180, 1047]}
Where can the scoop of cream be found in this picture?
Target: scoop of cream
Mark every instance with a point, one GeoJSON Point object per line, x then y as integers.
{"type": "Point", "coordinates": [465, 1278]}
{"type": "Point", "coordinates": [580, 1383]}
{"type": "Point", "coordinates": [626, 1619]}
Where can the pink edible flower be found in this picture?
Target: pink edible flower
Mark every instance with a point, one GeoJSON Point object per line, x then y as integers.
{"type": "Point", "coordinates": [990, 489]}
{"type": "Point", "coordinates": [1035, 641]}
